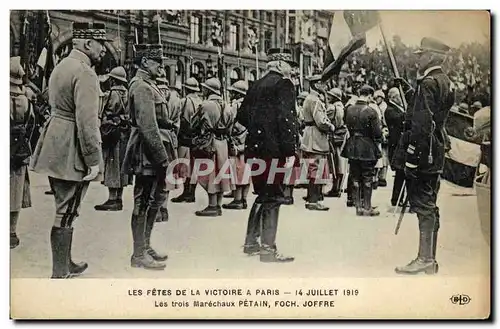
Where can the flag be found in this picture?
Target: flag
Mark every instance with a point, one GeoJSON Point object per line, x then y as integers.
{"type": "Point", "coordinates": [463, 158]}
{"type": "Point", "coordinates": [347, 34]}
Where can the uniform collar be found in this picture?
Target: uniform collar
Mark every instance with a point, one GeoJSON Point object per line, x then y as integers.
{"type": "Point", "coordinates": [120, 87]}
{"type": "Point", "coordinates": [194, 95]}
{"type": "Point", "coordinates": [428, 71]}
{"type": "Point", "coordinates": [78, 55]}
{"type": "Point", "coordinates": [214, 97]}
{"type": "Point", "coordinates": [144, 75]}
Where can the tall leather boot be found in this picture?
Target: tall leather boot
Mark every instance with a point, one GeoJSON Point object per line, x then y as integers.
{"type": "Point", "coordinates": [184, 195]}
{"type": "Point", "coordinates": [268, 250]}
{"type": "Point", "coordinates": [350, 192]}
{"type": "Point", "coordinates": [150, 221]}
{"type": "Point", "coordinates": [425, 261]}
{"type": "Point", "coordinates": [367, 201]}
{"type": "Point", "coordinates": [141, 258]}
{"type": "Point", "coordinates": [252, 246]}
{"type": "Point", "coordinates": [75, 268]}
{"type": "Point", "coordinates": [60, 239]}
{"type": "Point", "coordinates": [356, 197]}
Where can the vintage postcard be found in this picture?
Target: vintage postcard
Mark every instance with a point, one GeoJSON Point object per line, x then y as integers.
{"type": "Point", "coordinates": [250, 164]}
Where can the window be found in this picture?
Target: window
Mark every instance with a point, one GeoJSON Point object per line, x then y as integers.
{"type": "Point", "coordinates": [195, 36]}
{"type": "Point", "coordinates": [268, 40]}
{"type": "Point", "coordinates": [255, 13]}
{"type": "Point", "coordinates": [234, 37]}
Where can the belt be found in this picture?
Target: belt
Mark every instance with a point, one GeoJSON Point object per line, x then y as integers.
{"type": "Point", "coordinates": [65, 115]}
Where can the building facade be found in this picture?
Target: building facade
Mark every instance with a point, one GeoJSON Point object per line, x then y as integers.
{"type": "Point", "coordinates": [197, 43]}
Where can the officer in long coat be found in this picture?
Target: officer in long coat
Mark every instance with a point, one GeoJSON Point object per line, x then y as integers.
{"type": "Point", "coordinates": [365, 132]}
{"type": "Point", "coordinates": [115, 114]}
{"type": "Point", "coordinates": [268, 112]}
{"type": "Point", "coordinates": [69, 148]}
{"type": "Point", "coordinates": [189, 106]}
{"type": "Point", "coordinates": [421, 149]}
{"type": "Point", "coordinates": [150, 150]}
{"type": "Point", "coordinates": [212, 128]}
{"type": "Point", "coordinates": [315, 144]}
{"type": "Point", "coordinates": [172, 115]}
{"type": "Point", "coordinates": [21, 114]}
{"type": "Point", "coordinates": [394, 117]}
{"type": "Point", "coordinates": [237, 148]}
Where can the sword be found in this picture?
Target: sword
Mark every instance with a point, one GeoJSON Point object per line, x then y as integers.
{"type": "Point", "coordinates": [73, 206]}
{"type": "Point", "coordinates": [399, 197]}
{"type": "Point", "coordinates": [402, 213]}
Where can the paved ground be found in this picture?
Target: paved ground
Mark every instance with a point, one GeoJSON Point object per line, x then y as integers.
{"type": "Point", "coordinates": [326, 244]}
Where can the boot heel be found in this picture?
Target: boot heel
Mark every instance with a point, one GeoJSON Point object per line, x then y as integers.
{"type": "Point", "coordinates": [433, 269]}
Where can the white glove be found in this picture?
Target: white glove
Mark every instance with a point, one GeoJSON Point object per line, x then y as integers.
{"type": "Point", "coordinates": [94, 171]}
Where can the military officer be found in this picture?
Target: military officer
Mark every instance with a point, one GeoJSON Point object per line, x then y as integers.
{"type": "Point", "coordinates": [269, 137]}
{"type": "Point", "coordinates": [421, 149]}
{"type": "Point", "coordinates": [170, 114]}
{"type": "Point", "coordinates": [69, 148]}
{"type": "Point", "coordinates": [115, 116]}
{"type": "Point", "coordinates": [237, 147]}
{"type": "Point", "coordinates": [151, 148]}
{"type": "Point", "coordinates": [381, 180]}
{"type": "Point", "coordinates": [335, 113]}
{"type": "Point", "coordinates": [211, 126]}
{"type": "Point", "coordinates": [189, 106]}
{"type": "Point", "coordinates": [365, 131]}
{"type": "Point", "coordinates": [21, 114]}
{"type": "Point", "coordinates": [315, 144]}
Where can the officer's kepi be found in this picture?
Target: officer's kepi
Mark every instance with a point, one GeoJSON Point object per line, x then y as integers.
{"type": "Point", "coordinates": [432, 45]}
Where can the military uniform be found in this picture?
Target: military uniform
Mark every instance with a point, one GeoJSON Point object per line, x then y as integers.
{"type": "Point", "coordinates": [189, 106]}
{"type": "Point", "coordinates": [21, 114]}
{"type": "Point", "coordinates": [151, 148]}
{"type": "Point", "coordinates": [269, 137]}
{"type": "Point", "coordinates": [70, 143]}
{"type": "Point", "coordinates": [315, 147]}
{"type": "Point", "coordinates": [421, 153]}
{"type": "Point", "coordinates": [361, 149]}
{"type": "Point", "coordinates": [212, 124]}
{"type": "Point", "coordinates": [381, 179]}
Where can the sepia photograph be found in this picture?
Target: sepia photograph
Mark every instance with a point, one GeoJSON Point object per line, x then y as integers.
{"type": "Point", "coordinates": [250, 164]}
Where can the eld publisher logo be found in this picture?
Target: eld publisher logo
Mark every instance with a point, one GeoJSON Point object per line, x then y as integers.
{"type": "Point", "coordinates": [460, 299]}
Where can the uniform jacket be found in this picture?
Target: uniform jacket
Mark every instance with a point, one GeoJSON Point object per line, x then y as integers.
{"type": "Point", "coordinates": [70, 142]}
{"type": "Point", "coordinates": [269, 114]}
{"type": "Point", "coordinates": [238, 131]}
{"type": "Point", "coordinates": [153, 136]}
{"type": "Point", "coordinates": [365, 132]}
{"type": "Point", "coordinates": [21, 115]}
{"type": "Point", "coordinates": [315, 138]}
{"type": "Point", "coordinates": [394, 117]}
{"type": "Point", "coordinates": [428, 109]}
{"type": "Point", "coordinates": [214, 121]}
{"type": "Point", "coordinates": [189, 105]}
{"type": "Point", "coordinates": [335, 113]}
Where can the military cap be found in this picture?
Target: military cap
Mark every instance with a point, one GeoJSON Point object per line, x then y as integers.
{"type": "Point", "coordinates": [477, 105]}
{"type": "Point", "coordinates": [335, 92]}
{"type": "Point", "coordinates": [379, 93]}
{"type": "Point", "coordinates": [303, 95]}
{"type": "Point", "coordinates": [192, 84]}
{"type": "Point", "coordinates": [150, 51]}
{"type": "Point", "coordinates": [239, 87]}
{"type": "Point", "coordinates": [463, 106]}
{"type": "Point", "coordinates": [16, 71]}
{"type": "Point", "coordinates": [212, 84]}
{"type": "Point", "coordinates": [89, 30]}
{"type": "Point", "coordinates": [366, 90]}
{"type": "Point", "coordinates": [118, 73]}
{"type": "Point", "coordinates": [433, 45]}
{"type": "Point", "coordinates": [281, 54]}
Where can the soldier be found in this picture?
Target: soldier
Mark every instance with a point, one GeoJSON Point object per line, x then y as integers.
{"type": "Point", "coordinates": [379, 97]}
{"type": "Point", "coordinates": [151, 148]}
{"type": "Point", "coordinates": [315, 145]}
{"type": "Point", "coordinates": [69, 148]}
{"type": "Point", "coordinates": [115, 132]}
{"type": "Point", "coordinates": [300, 182]}
{"type": "Point", "coordinates": [268, 112]}
{"type": "Point", "coordinates": [211, 126]}
{"type": "Point", "coordinates": [189, 106]}
{"type": "Point", "coordinates": [21, 114]}
{"type": "Point", "coordinates": [171, 115]}
{"type": "Point", "coordinates": [421, 150]}
{"type": "Point", "coordinates": [394, 117]}
{"type": "Point", "coordinates": [300, 109]}
{"type": "Point", "coordinates": [238, 135]}
{"type": "Point", "coordinates": [365, 131]}
{"type": "Point", "coordinates": [335, 113]}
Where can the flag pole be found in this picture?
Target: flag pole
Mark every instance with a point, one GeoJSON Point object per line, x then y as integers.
{"type": "Point", "coordinates": [393, 64]}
